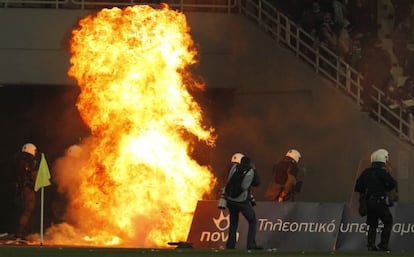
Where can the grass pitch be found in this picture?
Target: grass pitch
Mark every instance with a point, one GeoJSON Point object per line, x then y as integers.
{"type": "Point", "coordinates": [46, 251]}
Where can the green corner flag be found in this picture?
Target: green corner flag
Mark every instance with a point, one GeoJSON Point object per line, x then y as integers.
{"type": "Point", "coordinates": [43, 175]}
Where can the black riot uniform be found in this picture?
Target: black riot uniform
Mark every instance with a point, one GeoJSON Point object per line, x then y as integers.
{"type": "Point", "coordinates": [26, 168]}
{"type": "Point", "coordinates": [376, 182]}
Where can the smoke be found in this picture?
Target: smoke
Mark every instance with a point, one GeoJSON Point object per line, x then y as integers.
{"type": "Point", "coordinates": [265, 125]}
{"type": "Point", "coordinates": [67, 173]}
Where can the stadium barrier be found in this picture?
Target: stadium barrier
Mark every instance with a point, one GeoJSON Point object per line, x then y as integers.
{"type": "Point", "coordinates": [300, 226]}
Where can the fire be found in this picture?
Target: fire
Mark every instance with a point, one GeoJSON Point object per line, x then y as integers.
{"type": "Point", "coordinates": [138, 185]}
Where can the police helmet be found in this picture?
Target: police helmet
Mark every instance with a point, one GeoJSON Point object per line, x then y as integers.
{"type": "Point", "coordinates": [236, 158]}
{"type": "Point", "coordinates": [294, 154]}
{"type": "Point", "coordinates": [29, 148]}
{"type": "Point", "coordinates": [380, 155]}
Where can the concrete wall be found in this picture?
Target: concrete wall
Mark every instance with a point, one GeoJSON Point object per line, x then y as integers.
{"type": "Point", "coordinates": [34, 45]}
{"type": "Point", "coordinates": [265, 100]}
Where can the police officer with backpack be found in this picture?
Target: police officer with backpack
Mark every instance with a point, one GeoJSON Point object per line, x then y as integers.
{"type": "Point", "coordinates": [240, 179]}
{"type": "Point", "coordinates": [376, 182]}
{"type": "Point", "coordinates": [235, 160]}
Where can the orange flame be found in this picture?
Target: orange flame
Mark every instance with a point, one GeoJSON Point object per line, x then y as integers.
{"type": "Point", "coordinates": [138, 185]}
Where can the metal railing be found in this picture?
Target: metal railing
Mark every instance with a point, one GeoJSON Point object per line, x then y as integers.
{"type": "Point", "coordinates": [182, 5]}
{"type": "Point", "coordinates": [322, 59]}
{"type": "Point", "coordinates": [328, 64]}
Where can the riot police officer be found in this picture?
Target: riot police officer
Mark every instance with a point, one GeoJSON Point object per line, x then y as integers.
{"type": "Point", "coordinates": [235, 160]}
{"type": "Point", "coordinates": [27, 164]}
{"type": "Point", "coordinates": [242, 204]}
{"type": "Point", "coordinates": [284, 178]}
{"type": "Point", "coordinates": [375, 182]}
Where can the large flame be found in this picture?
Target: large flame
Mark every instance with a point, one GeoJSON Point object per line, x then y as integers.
{"type": "Point", "coordinates": [138, 185]}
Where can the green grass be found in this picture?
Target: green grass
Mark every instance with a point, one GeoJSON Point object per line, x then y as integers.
{"type": "Point", "coordinates": [46, 251]}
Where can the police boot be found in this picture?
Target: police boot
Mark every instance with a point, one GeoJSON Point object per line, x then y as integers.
{"type": "Point", "coordinates": [383, 247]}
{"type": "Point", "coordinates": [372, 248]}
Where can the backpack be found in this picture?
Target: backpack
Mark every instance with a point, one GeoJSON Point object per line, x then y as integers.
{"type": "Point", "coordinates": [233, 187]}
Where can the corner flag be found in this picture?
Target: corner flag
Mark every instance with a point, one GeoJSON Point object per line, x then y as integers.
{"type": "Point", "coordinates": [43, 175]}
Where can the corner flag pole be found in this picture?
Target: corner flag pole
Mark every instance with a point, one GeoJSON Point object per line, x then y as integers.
{"type": "Point", "coordinates": [42, 180]}
{"type": "Point", "coordinates": [42, 197]}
